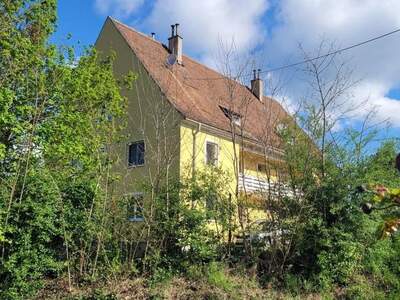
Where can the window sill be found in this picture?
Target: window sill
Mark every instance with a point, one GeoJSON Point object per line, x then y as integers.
{"type": "Point", "coordinates": [135, 166]}
{"type": "Point", "coordinates": [135, 219]}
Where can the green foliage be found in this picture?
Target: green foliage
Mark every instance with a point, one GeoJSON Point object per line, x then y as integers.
{"type": "Point", "coordinates": [58, 216]}
{"type": "Point", "coordinates": [34, 233]}
{"type": "Point", "coordinates": [379, 168]}
{"type": "Point", "coordinates": [57, 115]}
{"type": "Point", "coordinates": [331, 233]}
{"type": "Point", "coordinates": [217, 277]}
{"type": "Point", "coordinates": [182, 232]}
{"type": "Point", "coordinates": [382, 262]}
{"type": "Point", "coordinates": [340, 259]}
{"type": "Point", "coordinates": [161, 276]}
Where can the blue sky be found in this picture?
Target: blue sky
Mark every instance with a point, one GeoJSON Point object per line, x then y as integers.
{"type": "Point", "coordinates": [269, 29]}
{"type": "Point", "coordinates": [80, 19]}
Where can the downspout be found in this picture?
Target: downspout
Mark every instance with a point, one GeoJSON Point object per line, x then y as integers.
{"type": "Point", "coordinates": [194, 133]}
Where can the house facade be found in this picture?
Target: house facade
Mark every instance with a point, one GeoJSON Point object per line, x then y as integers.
{"type": "Point", "coordinates": [183, 116]}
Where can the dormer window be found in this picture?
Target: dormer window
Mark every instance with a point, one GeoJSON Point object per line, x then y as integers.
{"type": "Point", "coordinates": [236, 119]}
{"type": "Point", "coordinates": [233, 116]}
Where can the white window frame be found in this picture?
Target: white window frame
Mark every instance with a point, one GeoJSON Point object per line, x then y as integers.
{"type": "Point", "coordinates": [205, 153]}
{"type": "Point", "coordinates": [135, 218]}
{"type": "Point", "coordinates": [127, 154]}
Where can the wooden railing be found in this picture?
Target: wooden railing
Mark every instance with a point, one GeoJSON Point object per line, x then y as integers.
{"type": "Point", "coordinates": [252, 184]}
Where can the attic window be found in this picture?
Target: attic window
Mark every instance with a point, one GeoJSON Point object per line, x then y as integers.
{"type": "Point", "coordinates": [231, 115]}
{"type": "Point", "coordinates": [237, 120]}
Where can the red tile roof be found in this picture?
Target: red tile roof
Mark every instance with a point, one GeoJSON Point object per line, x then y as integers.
{"type": "Point", "coordinates": [194, 90]}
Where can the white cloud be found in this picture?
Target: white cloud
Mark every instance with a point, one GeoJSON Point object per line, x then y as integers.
{"type": "Point", "coordinates": [346, 22]}
{"type": "Point", "coordinates": [388, 109]}
{"type": "Point", "coordinates": [118, 8]}
{"type": "Point", "coordinates": [205, 23]}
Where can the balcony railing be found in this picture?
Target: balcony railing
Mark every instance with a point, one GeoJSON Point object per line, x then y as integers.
{"type": "Point", "coordinates": [252, 184]}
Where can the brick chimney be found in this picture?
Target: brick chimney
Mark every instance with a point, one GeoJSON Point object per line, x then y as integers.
{"type": "Point", "coordinates": [257, 85]}
{"type": "Point", "coordinates": [175, 43]}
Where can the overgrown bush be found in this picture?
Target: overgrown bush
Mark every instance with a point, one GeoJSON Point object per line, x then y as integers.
{"type": "Point", "coordinates": [35, 234]}
{"type": "Point", "coordinates": [184, 229]}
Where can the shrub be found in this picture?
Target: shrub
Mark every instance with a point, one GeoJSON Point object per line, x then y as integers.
{"type": "Point", "coordinates": [34, 234]}
{"type": "Point", "coordinates": [217, 277]}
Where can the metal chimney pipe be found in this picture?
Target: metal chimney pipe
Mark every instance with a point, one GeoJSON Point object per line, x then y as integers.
{"type": "Point", "coordinates": [258, 73]}
{"type": "Point", "coordinates": [176, 27]}
{"type": "Point", "coordinates": [172, 30]}
{"type": "Point", "coordinates": [153, 35]}
{"type": "Point", "coordinates": [254, 73]}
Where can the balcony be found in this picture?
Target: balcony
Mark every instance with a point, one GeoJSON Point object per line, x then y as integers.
{"type": "Point", "coordinates": [252, 184]}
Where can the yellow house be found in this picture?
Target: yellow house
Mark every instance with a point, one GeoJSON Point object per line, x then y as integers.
{"type": "Point", "coordinates": [183, 116]}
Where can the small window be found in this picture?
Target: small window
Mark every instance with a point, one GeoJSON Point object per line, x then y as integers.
{"type": "Point", "coordinates": [237, 120]}
{"type": "Point", "coordinates": [135, 207]}
{"type": "Point", "coordinates": [211, 153]}
{"type": "Point", "coordinates": [136, 154]}
{"type": "Point", "coordinates": [262, 168]}
{"type": "Point", "coordinates": [235, 117]}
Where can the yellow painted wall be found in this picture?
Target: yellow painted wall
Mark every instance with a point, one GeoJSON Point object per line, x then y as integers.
{"type": "Point", "coordinates": [226, 158]}
{"type": "Point", "coordinates": [197, 154]}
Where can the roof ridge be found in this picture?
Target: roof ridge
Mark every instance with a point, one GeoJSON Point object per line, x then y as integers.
{"type": "Point", "coordinates": [184, 55]}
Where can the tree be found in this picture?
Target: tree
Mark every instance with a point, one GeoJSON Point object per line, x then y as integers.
{"type": "Point", "coordinates": [57, 115]}
{"type": "Point", "coordinates": [383, 189]}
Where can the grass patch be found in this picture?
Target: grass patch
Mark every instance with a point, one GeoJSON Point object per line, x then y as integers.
{"type": "Point", "coordinates": [217, 277]}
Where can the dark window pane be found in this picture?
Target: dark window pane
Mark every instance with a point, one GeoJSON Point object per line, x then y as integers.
{"type": "Point", "coordinates": [136, 154]}
{"type": "Point", "coordinates": [131, 156]}
{"type": "Point", "coordinates": [140, 153]}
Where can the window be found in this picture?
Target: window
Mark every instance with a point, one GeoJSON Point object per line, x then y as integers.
{"type": "Point", "coordinates": [262, 168]}
{"type": "Point", "coordinates": [135, 207]}
{"type": "Point", "coordinates": [235, 117]}
{"type": "Point", "coordinates": [136, 154]}
{"type": "Point", "coordinates": [236, 120]}
{"type": "Point", "coordinates": [211, 153]}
